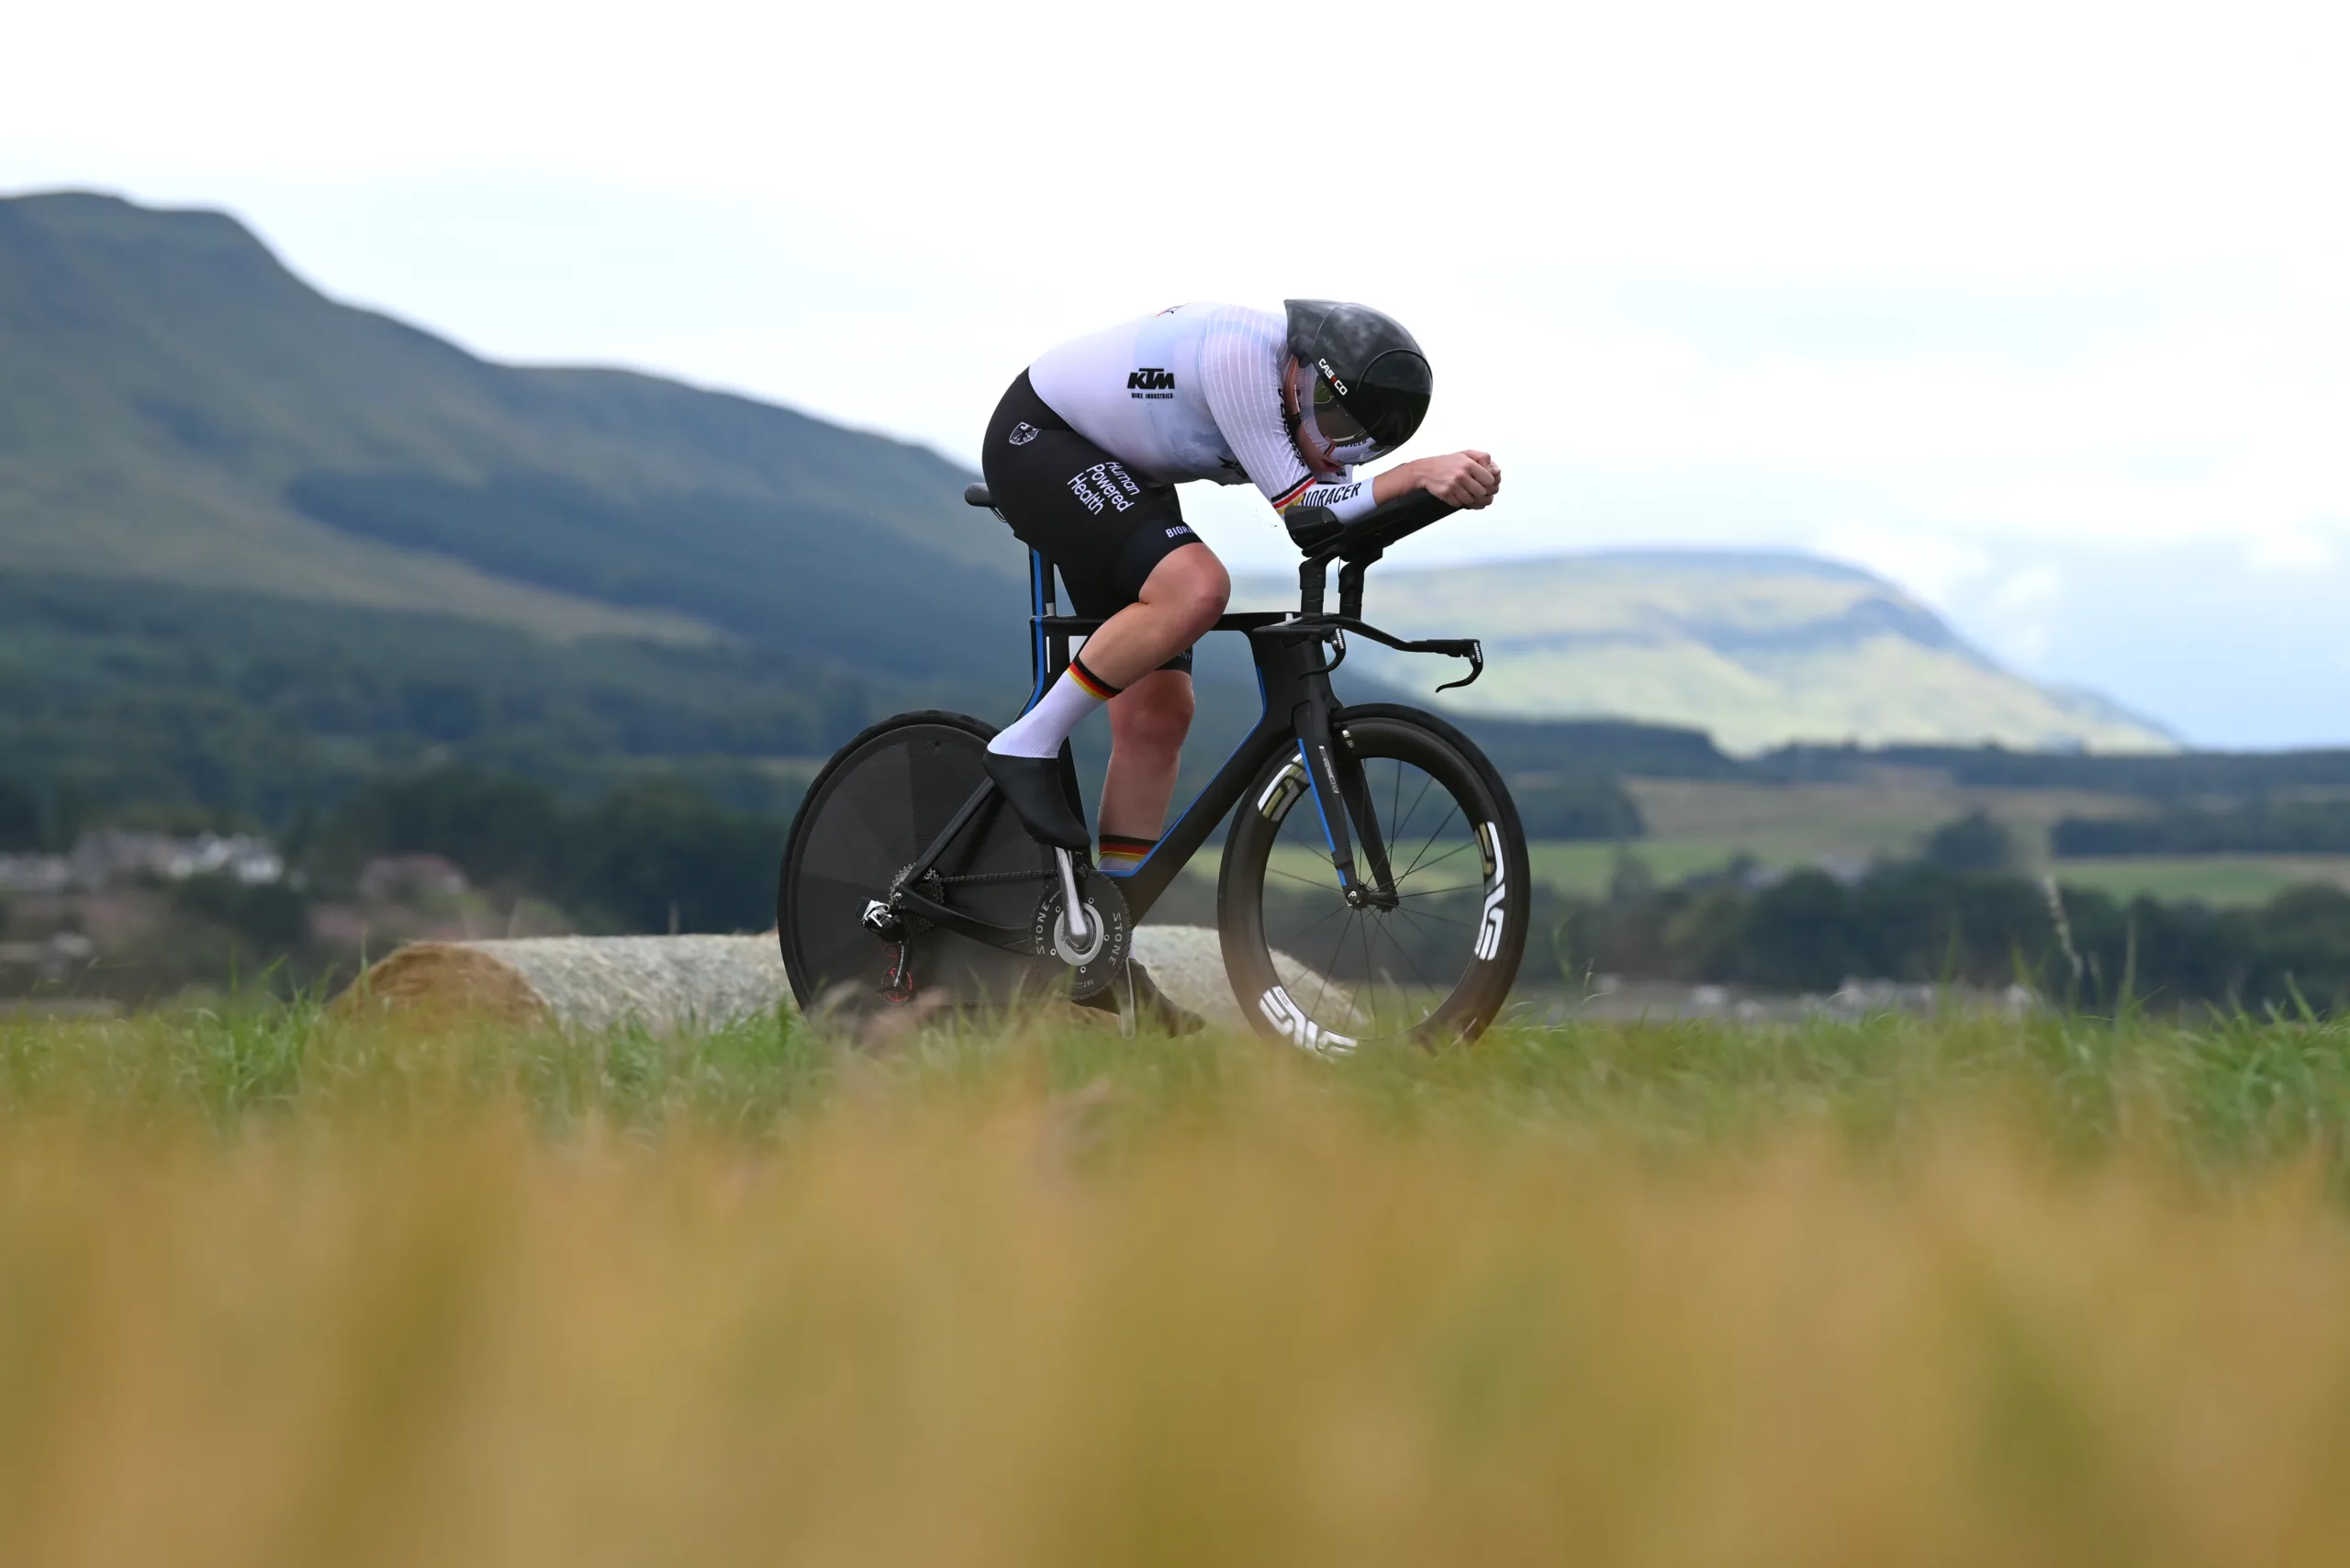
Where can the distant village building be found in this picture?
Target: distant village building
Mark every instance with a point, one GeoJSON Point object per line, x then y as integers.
{"type": "Point", "coordinates": [52, 958]}
{"type": "Point", "coordinates": [111, 856]}
{"type": "Point", "coordinates": [35, 874]}
{"type": "Point", "coordinates": [393, 878]}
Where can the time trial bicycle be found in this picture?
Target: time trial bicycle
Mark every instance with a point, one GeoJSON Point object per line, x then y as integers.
{"type": "Point", "coordinates": [1373, 844]}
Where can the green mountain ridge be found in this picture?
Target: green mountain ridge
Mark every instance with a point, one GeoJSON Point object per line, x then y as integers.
{"type": "Point", "coordinates": [1758, 649]}
{"type": "Point", "coordinates": [174, 402]}
{"type": "Point", "coordinates": [256, 546]}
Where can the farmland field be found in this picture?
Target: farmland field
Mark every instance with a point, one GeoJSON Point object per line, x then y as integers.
{"type": "Point", "coordinates": [1703, 825]}
{"type": "Point", "coordinates": [1584, 869]}
{"type": "Point", "coordinates": [1921, 1292]}
{"type": "Point", "coordinates": [2210, 878]}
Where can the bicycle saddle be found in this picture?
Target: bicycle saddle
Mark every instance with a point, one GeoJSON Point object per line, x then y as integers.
{"type": "Point", "coordinates": [977, 495]}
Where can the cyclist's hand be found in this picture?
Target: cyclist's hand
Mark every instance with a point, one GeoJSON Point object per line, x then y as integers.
{"type": "Point", "coordinates": [1465, 479]}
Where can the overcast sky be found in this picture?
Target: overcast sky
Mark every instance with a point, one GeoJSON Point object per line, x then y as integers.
{"type": "Point", "coordinates": [2042, 310]}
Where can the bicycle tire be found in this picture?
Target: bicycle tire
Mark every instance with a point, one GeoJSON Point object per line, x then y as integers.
{"type": "Point", "coordinates": [871, 812]}
{"type": "Point", "coordinates": [1369, 990]}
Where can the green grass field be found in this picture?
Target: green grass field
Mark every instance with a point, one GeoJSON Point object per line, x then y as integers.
{"type": "Point", "coordinates": [1933, 1292]}
{"type": "Point", "coordinates": [2209, 878]}
{"type": "Point", "coordinates": [1703, 825]}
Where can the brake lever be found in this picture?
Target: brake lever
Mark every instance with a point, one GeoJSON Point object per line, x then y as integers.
{"type": "Point", "coordinates": [1338, 647]}
{"type": "Point", "coordinates": [1476, 666]}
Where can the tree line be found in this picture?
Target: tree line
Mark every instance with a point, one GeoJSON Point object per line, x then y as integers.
{"type": "Point", "coordinates": [2320, 826]}
{"type": "Point", "coordinates": [648, 856]}
{"type": "Point", "coordinates": [1923, 921]}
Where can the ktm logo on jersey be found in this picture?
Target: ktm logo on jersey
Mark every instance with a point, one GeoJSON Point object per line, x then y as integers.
{"type": "Point", "coordinates": [1151, 379]}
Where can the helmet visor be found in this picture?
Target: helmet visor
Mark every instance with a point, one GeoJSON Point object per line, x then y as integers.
{"type": "Point", "coordinates": [1325, 421]}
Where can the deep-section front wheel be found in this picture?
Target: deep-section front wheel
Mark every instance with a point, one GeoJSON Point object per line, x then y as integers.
{"type": "Point", "coordinates": [868, 816]}
{"type": "Point", "coordinates": [1431, 956]}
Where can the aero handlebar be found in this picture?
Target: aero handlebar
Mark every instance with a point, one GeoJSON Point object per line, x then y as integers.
{"type": "Point", "coordinates": [1323, 537]}
{"type": "Point", "coordinates": [1358, 544]}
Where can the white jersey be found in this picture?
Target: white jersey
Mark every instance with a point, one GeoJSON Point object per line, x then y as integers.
{"type": "Point", "coordinates": [1191, 393]}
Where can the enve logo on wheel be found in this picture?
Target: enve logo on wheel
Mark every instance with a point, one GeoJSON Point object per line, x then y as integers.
{"type": "Point", "coordinates": [1491, 922]}
{"type": "Point", "coordinates": [1290, 1021]}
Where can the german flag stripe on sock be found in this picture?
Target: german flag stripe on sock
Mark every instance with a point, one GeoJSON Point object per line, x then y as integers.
{"type": "Point", "coordinates": [1121, 854]}
{"type": "Point", "coordinates": [1094, 686]}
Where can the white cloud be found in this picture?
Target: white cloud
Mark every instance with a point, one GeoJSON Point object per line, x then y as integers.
{"type": "Point", "coordinates": [2020, 611]}
{"type": "Point", "coordinates": [2289, 552]}
{"type": "Point", "coordinates": [1933, 288]}
{"type": "Point", "coordinates": [1931, 565]}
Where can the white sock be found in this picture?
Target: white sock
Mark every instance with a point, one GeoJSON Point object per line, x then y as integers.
{"type": "Point", "coordinates": [1040, 731]}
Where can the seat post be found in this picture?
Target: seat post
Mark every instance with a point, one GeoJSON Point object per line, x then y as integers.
{"type": "Point", "coordinates": [1047, 652]}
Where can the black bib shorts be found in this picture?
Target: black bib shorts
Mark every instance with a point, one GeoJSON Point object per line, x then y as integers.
{"type": "Point", "coordinates": [1104, 528]}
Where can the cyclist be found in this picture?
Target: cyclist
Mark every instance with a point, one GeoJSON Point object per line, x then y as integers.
{"type": "Point", "coordinates": [1083, 456]}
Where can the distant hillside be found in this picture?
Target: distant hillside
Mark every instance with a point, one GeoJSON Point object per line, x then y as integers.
{"type": "Point", "coordinates": [176, 406]}
{"type": "Point", "coordinates": [256, 546]}
{"type": "Point", "coordinates": [1758, 649]}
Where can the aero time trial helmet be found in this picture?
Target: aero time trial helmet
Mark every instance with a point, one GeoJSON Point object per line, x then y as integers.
{"type": "Point", "coordinates": [1370, 380]}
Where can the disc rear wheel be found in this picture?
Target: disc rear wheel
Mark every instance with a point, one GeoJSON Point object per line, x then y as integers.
{"type": "Point", "coordinates": [869, 816]}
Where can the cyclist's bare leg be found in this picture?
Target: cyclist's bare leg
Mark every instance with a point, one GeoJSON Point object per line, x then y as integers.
{"type": "Point", "coordinates": [1179, 602]}
{"type": "Point", "coordinates": [1147, 722]}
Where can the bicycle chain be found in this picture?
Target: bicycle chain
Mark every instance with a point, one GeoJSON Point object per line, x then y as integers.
{"type": "Point", "coordinates": [976, 877]}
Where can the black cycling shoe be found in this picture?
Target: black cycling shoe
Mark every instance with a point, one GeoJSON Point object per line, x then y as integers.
{"type": "Point", "coordinates": [1153, 1007]}
{"type": "Point", "coordinates": [1033, 785]}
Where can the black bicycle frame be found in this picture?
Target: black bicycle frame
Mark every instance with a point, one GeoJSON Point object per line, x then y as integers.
{"type": "Point", "coordinates": [1299, 706]}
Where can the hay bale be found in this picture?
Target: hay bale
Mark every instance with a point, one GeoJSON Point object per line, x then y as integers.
{"type": "Point", "coordinates": [664, 984]}
{"type": "Point", "coordinates": [667, 984]}
{"type": "Point", "coordinates": [1187, 962]}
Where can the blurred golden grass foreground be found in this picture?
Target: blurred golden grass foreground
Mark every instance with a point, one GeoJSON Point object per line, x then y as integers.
{"type": "Point", "coordinates": [1905, 1293]}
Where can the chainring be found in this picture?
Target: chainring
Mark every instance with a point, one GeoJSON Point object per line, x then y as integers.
{"type": "Point", "coordinates": [933, 887]}
{"type": "Point", "coordinates": [1103, 899]}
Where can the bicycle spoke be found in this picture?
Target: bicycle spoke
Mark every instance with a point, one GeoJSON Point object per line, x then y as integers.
{"type": "Point", "coordinates": [1386, 1002]}
{"type": "Point", "coordinates": [1430, 843]}
{"type": "Point", "coordinates": [1440, 860]}
{"type": "Point", "coordinates": [1430, 914]}
{"type": "Point", "coordinates": [1439, 893]}
{"type": "Point", "coordinates": [1294, 937]}
{"type": "Point", "coordinates": [1404, 953]}
{"type": "Point", "coordinates": [1369, 973]}
{"type": "Point", "coordinates": [1330, 965]}
{"type": "Point", "coordinates": [1427, 782]}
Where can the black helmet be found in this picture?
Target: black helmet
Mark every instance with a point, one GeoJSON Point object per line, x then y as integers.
{"type": "Point", "coordinates": [1370, 380]}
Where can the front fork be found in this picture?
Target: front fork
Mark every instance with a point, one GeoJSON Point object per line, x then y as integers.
{"type": "Point", "coordinates": [1342, 796]}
